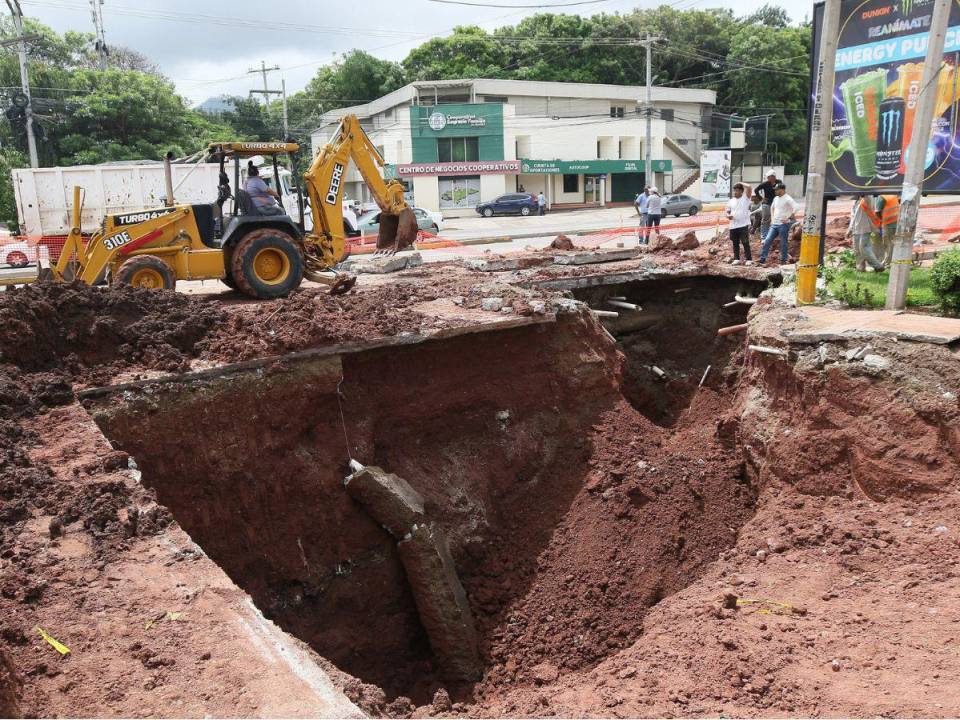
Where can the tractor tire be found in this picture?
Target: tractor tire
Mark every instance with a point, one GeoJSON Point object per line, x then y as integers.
{"type": "Point", "coordinates": [267, 264]}
{"type": "Point", "coordinates": [228, 271]}
{"type": "Point", "coordinates": [146, 271]}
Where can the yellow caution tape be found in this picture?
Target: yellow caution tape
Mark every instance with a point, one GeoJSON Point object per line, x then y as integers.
{"type": "Point", "coordinates": [56, 644]}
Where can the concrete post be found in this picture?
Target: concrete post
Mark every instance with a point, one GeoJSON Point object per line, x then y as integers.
{"type": "Point", "coordinates": [916, 159]}
{"type": "Point", "coordinates": [822, 120]}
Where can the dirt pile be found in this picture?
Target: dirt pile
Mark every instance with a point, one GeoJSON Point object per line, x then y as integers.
{"type": "Point", "coordinates": [561, 242]}
{"type": "Point", "coordinates": [78, 329]}
{"type": "Point", "coordinates": [313, 317]}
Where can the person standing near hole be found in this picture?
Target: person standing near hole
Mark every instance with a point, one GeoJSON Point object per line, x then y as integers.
{"type": "Point", "coordinates": [766, 192]}
{"type": "Point", "coordinates": [781, 220]}
{"type": "Point", "coordinates": [738, 212]}
{"type": "Point", "coordinates": [654, 209]}
{"type": "Point", "coordinates": [641, 203]}
{"type": "Point", "coordinates": [541, 203]}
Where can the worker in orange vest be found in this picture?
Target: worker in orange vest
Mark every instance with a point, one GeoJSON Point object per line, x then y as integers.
{"type": "Point", "coordinates": [889, 216]}
{"type": "Point", "coordinates": [864, 224]}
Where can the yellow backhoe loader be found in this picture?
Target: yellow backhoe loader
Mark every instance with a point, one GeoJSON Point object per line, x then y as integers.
{"type": "Point", "coordinates": [263, 256]}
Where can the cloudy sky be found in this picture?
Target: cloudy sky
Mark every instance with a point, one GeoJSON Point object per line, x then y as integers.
{"type": "Point", "coordinates": [207, 46]}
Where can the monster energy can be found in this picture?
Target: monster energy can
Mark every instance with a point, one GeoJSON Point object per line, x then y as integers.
{"type": "Point", "coordinates": [890, 137]}
{"type": "Point", "coordinates": [862, 95]}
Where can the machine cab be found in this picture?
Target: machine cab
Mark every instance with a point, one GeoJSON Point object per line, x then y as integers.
{"type": "Point", "coordinates": [243, 210]}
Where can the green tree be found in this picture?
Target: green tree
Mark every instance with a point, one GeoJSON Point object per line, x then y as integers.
{"type": "Point", "coordinates": [769, 74]}
{"type": "Point", "coordinates": [9, 160]}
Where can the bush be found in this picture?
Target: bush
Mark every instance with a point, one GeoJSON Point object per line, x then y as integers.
{"type": "Point", "coordinates": [945, 279]}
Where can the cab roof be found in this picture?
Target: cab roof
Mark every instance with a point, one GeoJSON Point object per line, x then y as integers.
{"type": "Point", "coordinates": [249, 149]}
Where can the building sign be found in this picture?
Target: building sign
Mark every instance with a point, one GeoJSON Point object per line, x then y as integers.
{"type": "Point", "coordinates": [478, 167]}
{"type": "Point", "coordinates": [879, 63]}
{"type": "Point", "coordinates": [438, 121]}
{"type": "Point", "coordinates": [714, 175]}
{"type": "Point", "coordinates": [591, 167]}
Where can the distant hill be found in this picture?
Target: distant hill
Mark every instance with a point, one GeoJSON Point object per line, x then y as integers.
{"type": "Point", "coordinates": [216, 105]}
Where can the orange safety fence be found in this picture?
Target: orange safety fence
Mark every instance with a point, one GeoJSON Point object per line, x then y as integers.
{"type": "Point", "coordinates": [367, 244]}
{"type": "Point", "coordinates": [938, 225]}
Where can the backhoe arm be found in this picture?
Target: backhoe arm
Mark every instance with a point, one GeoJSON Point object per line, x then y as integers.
{"type": "Point", "coordinates": [324, 185]}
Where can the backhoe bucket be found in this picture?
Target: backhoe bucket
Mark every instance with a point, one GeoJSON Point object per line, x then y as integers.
{"type": "Point", "coordinates": [397, 232]}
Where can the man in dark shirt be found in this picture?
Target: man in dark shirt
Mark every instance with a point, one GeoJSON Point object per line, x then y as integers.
{"type": "Point", "coordinates": [765, 191]}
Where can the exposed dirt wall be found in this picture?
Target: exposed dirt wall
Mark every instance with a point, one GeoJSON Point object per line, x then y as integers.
{"type": "Point", "coordinates": [485, 427]}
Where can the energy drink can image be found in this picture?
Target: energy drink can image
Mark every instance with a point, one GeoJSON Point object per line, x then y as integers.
{"type": "Point", "coordinates": [946, 91]}
{"type": "Point", "coordinates": [861, 101]}
{"type": "Point", "coordinates": [890, 137]}
{"type": "Point", "coordinates": [907, 86]}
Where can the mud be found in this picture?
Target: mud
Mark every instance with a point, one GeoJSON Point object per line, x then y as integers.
{"type": "Point", "coordinates": [77, 329]}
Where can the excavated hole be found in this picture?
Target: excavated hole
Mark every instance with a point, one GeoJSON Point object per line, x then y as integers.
{"type": "Point", "coordinates": [499, 432]}
{"type": "Point", "coordinates": [676, 332]}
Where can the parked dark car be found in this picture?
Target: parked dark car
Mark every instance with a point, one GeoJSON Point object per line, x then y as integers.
{"type": "Point", "coordinates": [510, 204]}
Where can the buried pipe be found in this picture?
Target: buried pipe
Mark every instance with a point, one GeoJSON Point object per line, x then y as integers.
{"type": "Point", "coordinates": [624, 305]}
{"type": "Point", "coordinates": [730, 304]}
{"type": "Point", "coordinates": [705, 373]}
{"type": "Point", "coordinates": [605, 313]}
{"type": "Point", "coordinates": [745, 300]}
{"type": "Point", "coordinates": [658, 372]}
{"type": "Point", "coordinates": [617, 297]}
{"type": "Point", "coordinates": [731, 329]}
{"type": "Point", "coordinates": [767, 350]}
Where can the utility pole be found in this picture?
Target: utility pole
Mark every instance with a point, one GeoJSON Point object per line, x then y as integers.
{"type": "Point", "coordinates": [648, 111]}
{"type": "Point", "coordinates": [17, 13]}
{"type": "Point", "coordinates": [916, 159]}
{"type": "Point", "coordinates": [266, 92]}
{"type": "Point", "coordinates": [820, 128]}
{"type": "Point", "coordinates": [286, 124]}
{"type": "Point", "coordinates": [96, 12]}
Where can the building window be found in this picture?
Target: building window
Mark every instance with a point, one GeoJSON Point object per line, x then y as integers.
{"type": "Point", "coordinates": [617, 111]}
{"type": "Point", "coordinates": [458, 149]}
{"type": "Point", "coordinates": [459, 192]}
{"type": "Point", "coordinates": [502, 99]}
{"type": "Point", "coordinates": [666, 115]}
{"type": "Point", "coordinates": [571, 183]}
{"type": "Point", "coordinates": [619, 149]}
{"type": "Point", "coordinates": [598, 150]}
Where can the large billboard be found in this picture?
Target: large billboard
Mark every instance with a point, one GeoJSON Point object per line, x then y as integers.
{"type": "Point", "coordinates": [714, 175]}
{"type": "Point", "coordinates": [880, 56]}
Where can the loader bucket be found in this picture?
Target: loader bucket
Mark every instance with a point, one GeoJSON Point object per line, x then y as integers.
{"type": "Point", "coordinates": [397, 232]}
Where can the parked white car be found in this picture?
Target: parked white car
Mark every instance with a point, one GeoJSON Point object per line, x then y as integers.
{"type": "Point", "coordinates": [436, 217]}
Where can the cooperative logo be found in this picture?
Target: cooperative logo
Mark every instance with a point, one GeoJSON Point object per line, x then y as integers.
{"type": "Point", "coordinates": [437, 121]}
{"type": "Point", "coordinates": [889, 126]}
{"type": "Point", "coordinates": [334, 188]}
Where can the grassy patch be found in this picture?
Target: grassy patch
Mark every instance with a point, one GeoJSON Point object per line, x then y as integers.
{"type": "Point", "coordinates": [863, 289]}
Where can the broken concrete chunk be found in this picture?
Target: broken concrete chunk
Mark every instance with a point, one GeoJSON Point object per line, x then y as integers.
{"type": "Point", "coordinates": [389, 499]}
{"type": "Point", "coordinates": [878, 362]}
{"type": "Point", "coordinates": [380, 266]}
{"type": "Point", "coordinates": [441, 602]}
{"type": "Point", "coordinates": [595, 256]}
{"type": "Point", "coordinates": [492, 304]}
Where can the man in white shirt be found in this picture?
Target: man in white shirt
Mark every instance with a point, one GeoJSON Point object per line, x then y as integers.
{"type": "Point", "coordinates": [781, 219]}
{"type": "Point", "coordinates": [738, 213]}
